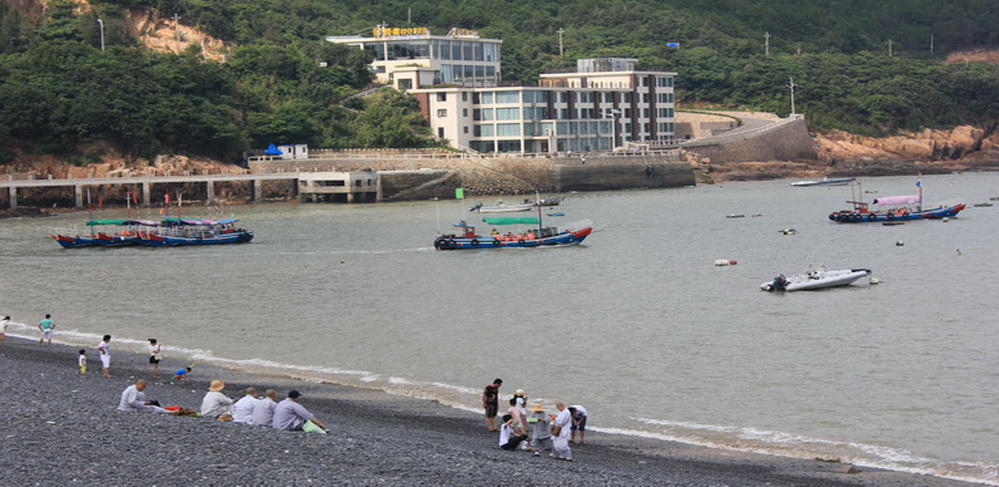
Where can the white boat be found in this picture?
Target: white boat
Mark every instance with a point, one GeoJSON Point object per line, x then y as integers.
{"type": "Point", "coordinates": [815, 279]}
{"type": "Point", "coordinates": [824, 182]}
{"type": "Point", "coordinates": [502, 207]}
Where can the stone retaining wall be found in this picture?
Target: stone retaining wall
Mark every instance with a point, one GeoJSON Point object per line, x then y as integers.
{"type": "Point", "coordinates": [788, 142]}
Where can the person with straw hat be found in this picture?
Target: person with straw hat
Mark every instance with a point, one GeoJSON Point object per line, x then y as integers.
{"type": "Point", "coordinates": [215, 404]}
{"type": "Point", "coordinates": [541, 437]}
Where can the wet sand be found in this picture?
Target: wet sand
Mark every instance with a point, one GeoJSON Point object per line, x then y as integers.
{"type": "Point", "coordinates": [62, 428]}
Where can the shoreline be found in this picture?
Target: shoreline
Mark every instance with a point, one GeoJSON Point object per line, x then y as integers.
{"type": "Point", "coordinates": [376, 438]}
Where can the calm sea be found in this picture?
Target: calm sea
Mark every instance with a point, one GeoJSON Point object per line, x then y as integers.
{"type": "Point", "coordinates": [636, 324]}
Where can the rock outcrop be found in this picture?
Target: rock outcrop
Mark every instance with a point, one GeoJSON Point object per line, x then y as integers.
{"type": "Point", "coordinates": [930, 145]}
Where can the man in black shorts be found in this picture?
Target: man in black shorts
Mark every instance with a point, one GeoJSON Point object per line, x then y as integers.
{"type": "Point", "coordinates": [490, 401]}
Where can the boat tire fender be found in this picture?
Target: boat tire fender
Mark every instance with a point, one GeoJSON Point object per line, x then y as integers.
{"type": "Point", "coordinates": [497, 242]}
{"type": "Point", "coordinates": [890, 216]}
{"type": "Point", "coordinates": [905, 214]}
{"type": "Point", "coordinates": [521, 241]}
{"type": "Point", "coordinates": [475, 242]}
{"type": "Point", "coordinates": [871, 217]}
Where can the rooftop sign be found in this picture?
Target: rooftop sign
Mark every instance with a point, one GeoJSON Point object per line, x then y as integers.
{"type": "Point", "coordinates": [382, 31]}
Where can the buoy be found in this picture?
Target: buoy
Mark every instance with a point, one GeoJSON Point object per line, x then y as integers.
{"type": "Point", "coordinates": [735, 215]}
{"type": "Point", "coordinates": [899, 243]}
{"type": "Point", "coordinates": [875, 280]}
{"type": "Point", "coordinates": [787, 231]}
{"type": "Point", "coordinates": [945, 219]}
{"type": "Point", "coordinates": [733, 262]}
{"type": "Point", "coordinates": [722, 262]}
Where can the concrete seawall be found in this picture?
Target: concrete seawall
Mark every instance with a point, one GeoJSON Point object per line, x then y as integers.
{"type": "Point", "coordinates": [429, 177]}
{"type": "Point", "coordinates": [787, 141]}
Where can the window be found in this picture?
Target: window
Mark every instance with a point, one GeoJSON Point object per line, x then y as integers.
{"type": "Point", "coordinates": [445, 50]}
{"type": "Point", "coordinates": [665, 98]}
{"type": "Point", "coordinates": [507, 114]}
{"type": "Point", "coordinates": [405, 84]}
{"type": "Point", "coordinates": [464, 96]}
{"type": "Point", "coordinates": [440, 132]}
{"type": "Point", "coordinates": [645, 113]}
{"type": "Point", "coordinates": [563, 98]}
{"type": "Point", "coordinates": [442, 113]}
{"type": "Point", "coordinates": [509, 146]}
{"type": "Point", "coordinates": [507, 97]}
{"type": "Point", "coordinates": [608, 97]}
{"type": "Point", "coordinates": [442, 97]}
{"type": "Point", "coordinates": [476, 114]}
{"type": "Point", "coordinates": [466, 129]}
{"type": "Point", "coordinates": [627, 113]}
{"type": "Point", "coordinates": [627, 97]}
{"type": "Point", "coordinates": [464, 112]}
{"type": "Point", "coordinates": [487, 114]}
{"type": "Point", "coordinates": [507, 129]}
{"type": "Point", "coordinates": [585, 97]}
{"type": "Point", "coordinates": [487, 97]}
{"type": "Point", "coordinates": [645, 97]}
{"type": "Point", "coordinates": [666, 82]}
{"type": "Point", "coordinates": [487, 130]}
{"type": "Point", "coordinates": [489, 51]}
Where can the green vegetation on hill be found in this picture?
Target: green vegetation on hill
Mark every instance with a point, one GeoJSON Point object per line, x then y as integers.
{"type": "Point", "coordinates": [282, 83]}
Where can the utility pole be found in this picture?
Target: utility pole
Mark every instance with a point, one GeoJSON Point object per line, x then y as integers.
{"type": "Point", "coordinates": [561, 45]}
{"type": "Point", "coordinates": [409, 15]}
{"type": "Point", "coordinates": [766, 44]}
{"type": "Point", "coordinates": [931, 43]}
{"type": "Point", "coordinates": [792, 85]}
{"type": "Point", "coordinates": [890, 51]}
{"type": "Point", "coordinates": [101, 24]}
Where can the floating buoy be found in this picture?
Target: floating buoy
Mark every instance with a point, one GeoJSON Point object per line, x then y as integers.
{"type": "Point", "coordinates": [874, 281]}
{"type": "Point", "coordinates": [787, 231]}
{"type": "Point", "coordinates": [899, 243]}
{"type": "Point", "coordinates": [725, 262]}
{"type": "Point", "coordinates": [945, 219]}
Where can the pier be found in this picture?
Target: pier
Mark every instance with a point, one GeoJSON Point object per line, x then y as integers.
{"type": "Point", "coordinates": [329, 186]}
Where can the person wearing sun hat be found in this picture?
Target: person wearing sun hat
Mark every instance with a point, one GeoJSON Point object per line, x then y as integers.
{"type": "Point", "coordinates": [537, 426]}
{"type": "Point", "coordinates": [215, 404]}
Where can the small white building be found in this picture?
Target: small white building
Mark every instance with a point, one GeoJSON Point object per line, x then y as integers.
{"type": "Point", "coordinates": [293, 151]}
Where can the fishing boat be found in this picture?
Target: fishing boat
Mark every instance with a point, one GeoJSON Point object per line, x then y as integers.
{"type": "Point", "coordinates": [824, 182]}
{"type": "Point", "coordinates": [895, 208]}
{"type": "Point", "coordinates": [815, 279]}
{"type": "Point", "coordinates": [104, 233]}
{"type": "Point", "coordinates": [540, 236]}
{"type": "Point", "coordinates": [185, 231]}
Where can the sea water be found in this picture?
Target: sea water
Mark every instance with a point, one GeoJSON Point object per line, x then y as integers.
{"type": "Point", "coordinates": [636, 324]}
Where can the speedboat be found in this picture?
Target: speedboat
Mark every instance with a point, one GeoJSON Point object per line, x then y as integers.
{"type": "Point", "coordinates": [815, 279]}
{"type": "Point", "coordinates": [824, 182]}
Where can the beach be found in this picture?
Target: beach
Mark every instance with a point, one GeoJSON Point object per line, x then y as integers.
{"type": "Point", "coordinates": [63, 428]}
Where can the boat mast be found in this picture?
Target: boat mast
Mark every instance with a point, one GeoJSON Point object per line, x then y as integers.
{"type": "Point", "coordinates": [537, 202]}
{"type": "Point", "coordinates": [919, 184]}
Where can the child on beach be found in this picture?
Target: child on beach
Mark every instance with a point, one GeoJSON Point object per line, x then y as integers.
{"type": "Point", "coordinates": [181, 374]}
{"type": "Point", "coordinates": [105, 349]}
{"type": "Point", "coordinates": [82, 362]}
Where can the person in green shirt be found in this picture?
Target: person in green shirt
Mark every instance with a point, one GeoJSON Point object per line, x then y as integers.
{"type": "Point", "coordinates": [46, 326]}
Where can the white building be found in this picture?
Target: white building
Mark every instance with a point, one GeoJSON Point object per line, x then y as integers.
{"type": "Point", "coordinates": [604, 104]}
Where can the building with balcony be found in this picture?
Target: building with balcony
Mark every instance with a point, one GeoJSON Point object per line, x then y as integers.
{"type": "Point", "coordinates": [604, 104]}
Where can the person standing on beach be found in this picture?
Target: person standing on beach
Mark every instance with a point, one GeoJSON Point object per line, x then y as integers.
{"type": "Point", "coordinates": [263, 411]}
{"type": "Point", "coordinates": [105, 350]}
{"type": "Point", "coordinates": [46, 326]}
{"type": "Point", "coordinates": [541, 436]}
{"type": "Point", "coordinates": [578, 423]}
{"type": "Point", "coordinates": [3, 328]}
{"type": "Point", "coordinates": [154, 358]}
{"type": "Point", "coordinates": [215, 404]}
{"type": "Point", "coordinates": [490, 402]}
{"type": "Point", "coordinates": [561, 441]}
{"type": "Point", "coordinates": [289, 415]}
{"type": "Point", "coordinates": [242, 411]}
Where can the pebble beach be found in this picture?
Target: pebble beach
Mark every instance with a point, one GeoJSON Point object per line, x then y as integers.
{"type": "Point", "coordinates": [61, 428]}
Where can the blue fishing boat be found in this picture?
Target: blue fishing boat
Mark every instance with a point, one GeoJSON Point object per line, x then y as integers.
{"type": "Point", "coordinates": [895, 209]}
{"type": "Point", "coordinates": [540, 236]}
{"type": "Point", "coordinates": [186, 231]}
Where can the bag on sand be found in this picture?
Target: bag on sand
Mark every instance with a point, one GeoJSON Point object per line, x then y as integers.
{"type": "Point", "coordinates": [556, 430]}
{"type": "Point", "coordinates": [310, 427]}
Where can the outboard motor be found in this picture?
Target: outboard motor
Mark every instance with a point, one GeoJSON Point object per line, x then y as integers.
{"type": "Point", "coordinates": [779, 284]}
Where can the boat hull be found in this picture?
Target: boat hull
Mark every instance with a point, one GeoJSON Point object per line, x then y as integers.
{"type": "Point", "coordinates": [222, 239]}
{"type": "Point", "coordinates": [474, 243]}
{"type": "Point", "coordinates": [824, 182]}
{"type": "Point", "coordinates": [847, 216]}
{"type": "Point", "coordinates": [68, 242]}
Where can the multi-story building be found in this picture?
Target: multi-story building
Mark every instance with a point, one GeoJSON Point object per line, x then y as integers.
{"type": "Point", "coordinates": [604, 104]}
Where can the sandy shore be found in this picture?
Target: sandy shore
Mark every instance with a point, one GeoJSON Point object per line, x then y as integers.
{"type": "Point", "coordinates": [62, 428]}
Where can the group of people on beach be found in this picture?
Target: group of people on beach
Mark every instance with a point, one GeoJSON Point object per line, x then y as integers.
{"type": "Point", "coordinates": [537, 432]}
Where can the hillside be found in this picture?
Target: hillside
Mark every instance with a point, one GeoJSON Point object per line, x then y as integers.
{"type": "Point", "coordinates": [233, 75]}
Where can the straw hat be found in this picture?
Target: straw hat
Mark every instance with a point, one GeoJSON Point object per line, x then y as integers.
{"type": "Point", "coordinates": [537, 407]}
{"type": "Point", "coordinates": [216, 386]}
{"type": "Point", "coordinates": [520, 392]}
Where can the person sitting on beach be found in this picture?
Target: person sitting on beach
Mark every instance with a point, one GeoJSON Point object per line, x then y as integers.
{"type": "Point", "coordinates": [540, 432]}
{"type": "Point", "coordinates": [242, 411]}
{"type": "Point", "coordinates": [133, 399]}
{"type": "Point", "coordinates": [215, 404]}
{"type": "Point", "coordinates": [510, 438]}
{"type": "Point", "coordinates": [263, 411]}
{"type": "Point", "coordinates": [289, 415]}
{"type": "Point", "coordinates": [181, 373]}
{"type": "Point", "coordinates": [578, 423]}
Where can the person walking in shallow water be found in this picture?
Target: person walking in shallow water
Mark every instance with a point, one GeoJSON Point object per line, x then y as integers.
{"type": "Point", "coordinates": [490, 402]}
{"type": "Point", "coordinates": [46, 326]}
